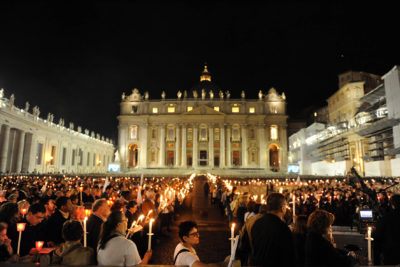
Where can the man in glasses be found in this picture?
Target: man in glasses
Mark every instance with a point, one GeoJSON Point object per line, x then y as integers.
{"type": "Point", "coordinates": [184, 253]}
{"type": "Point", "coordinates": [32, 232]}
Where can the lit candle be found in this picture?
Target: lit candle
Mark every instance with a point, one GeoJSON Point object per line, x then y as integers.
{"type": "Point", "coordinates": [84, 232]}
{"type": "Point", "coordinates": [20, 229]}
{"type": "Point", "coordinates": [369, 245]}
{"type": "Point", "coordinates": [294, 207]}
{"type": "Point", "coordinates": [23, 212]}
{"type": "Point", "coordinates": [134, 223]}
{"type": "Point", "coordinates": [80, 192]}
{"type": "Point", "coordinates": [150, 234]}
{"type": "Point", "coordinates": [232, 237]}
{"type": "Point", "coordinates": [39, 245]}
{"type": "Point", "coordinates": [280, 190]}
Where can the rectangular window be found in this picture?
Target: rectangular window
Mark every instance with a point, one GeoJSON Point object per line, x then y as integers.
{"type": "Point", "coordinates": [216, 134]}
{"type": "Point", "coordinates": [80, 157]}
{"type": "Point", "coordinates": [235, 109]}
{"type": "Point", "coordinates": [73, 157]}
{"type": "Point", "coordinates": [189, 134]}
{"type": "Point", "coordinates": [189, 109]}
{"type": "Point", "coordinates": [216, 108]}
{"type": "Point", "coordinates": [171, 109]}
{"type": "Point", "coordinates": [133, 131]}
{"type": "Point", "coordinates": [155, 110]}
{"type": "Point", "coordinates": [39, 153]}
{"type": "Point", "coordinates": [53, 155]}
{"type": "Point", "coordinates": [252, 110]}
{"type": "Point", "coordinates": [64, 156]}
{"type": "Point", "coordinates": [274, 132]}
{"type": "Point", "coordinates": [154, 133]}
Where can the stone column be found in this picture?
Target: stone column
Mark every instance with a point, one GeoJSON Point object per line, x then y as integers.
{"type": "Point", "coordinates": [177, 146]}
{"type": "Point", "coordinates": [20, 154]}
{"type": "Point", "coordinates": [33, 152]}
{"type": "Point", "coordinates": [195, 146]}
{"type": "Point", "coordinates": [261, 148]}
{"type": "Point", "coordinates": [222, 146]}
{"type": "Point", "coordinates": [27, 153]}
{"type": "Point", "coordinates": [211, 146]}
{"type": "Point", "coordinates": [228, 147]}
{"type": "Point", "coordinates": [184, 144]}
{"type": "Point", "coordinates": [143, 137]}
{"type": "Point", "coordinates": [162, 146]}
{"type": "Point", "coordinates": [5, 133]}
{"type": "Point", "coordinates": [122, 146]}
{"type": "Point", "coordinates": [244, 146]}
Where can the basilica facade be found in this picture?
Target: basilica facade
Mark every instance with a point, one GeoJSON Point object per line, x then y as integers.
{"type": "Point", "coordinates": [203, 130]}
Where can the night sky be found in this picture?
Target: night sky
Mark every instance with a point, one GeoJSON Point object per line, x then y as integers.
{"type": "Point", "coordinates": [75, 60]}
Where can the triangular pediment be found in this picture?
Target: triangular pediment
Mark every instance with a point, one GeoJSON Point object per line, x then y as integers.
{"type": "Point", "coordinates": [203, 110]}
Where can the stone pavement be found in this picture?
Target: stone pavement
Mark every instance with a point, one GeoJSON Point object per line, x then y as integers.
{"type": "Point", "coordinates": [213, 228]}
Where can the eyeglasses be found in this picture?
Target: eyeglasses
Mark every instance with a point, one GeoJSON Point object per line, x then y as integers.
{"type": "Point", "coordinates": [195, 234]}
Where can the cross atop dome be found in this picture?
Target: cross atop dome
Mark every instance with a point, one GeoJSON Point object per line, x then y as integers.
{"type": "Point", "coordinates": [205, 75]}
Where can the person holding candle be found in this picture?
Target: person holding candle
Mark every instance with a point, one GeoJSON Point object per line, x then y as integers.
{"type": "Point", "coordinates": [72, 252]}
{"type": "Point", "coordinates": [101, 210]}
{"type": "Point", "coordinates": [272, 241]}
{"type": "Point", "coordinates": [32, 232]}
{"type": "Point", "coordinates": [320, 247]}
{"type": "Point", "coordinates": [55, 222]}
{"type": "Point", "coordinates": [185, 254]}
{"type": "Point", "coordinates": [114, 248]}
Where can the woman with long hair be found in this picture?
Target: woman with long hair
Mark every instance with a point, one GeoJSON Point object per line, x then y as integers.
{"type": "Point", "coordinates": [320, 247]}
{"type": "Point", "coordinates": [114, 248]}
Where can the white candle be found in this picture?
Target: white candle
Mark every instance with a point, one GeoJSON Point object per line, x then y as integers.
{"type": "Point", "coordinates": [20, 229]}
{"type": "Point", "coordinates": [84, 232]}
{"type": "Point", "coordinates": [150, 234]}
{"type": "Point", "coordinates": [232, 237]}
{"type": "Point", "coordinates": [369, 245]}
{"type": "Point", "coordinates": [294, 207]}
{"type": "Point", "coordinates": [19, 242]}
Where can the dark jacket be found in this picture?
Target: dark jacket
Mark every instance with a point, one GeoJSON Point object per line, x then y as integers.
{"type": "Point", "coordinates": [29, 236]}
{"type": "Point", "coordinates": [386, 239]}
{"type": "Point", "coordinates": [4, 254]}
{"type": "Point", "coordinates": [272, 242]}
{"type": "Point", "coordinates": [320, 252]}
{"type": "Point", "coordinates": [54, 227]}
{"type": "Point", "coordinates": [93, 228]}
{"type": "Point", "coordinates": [300, 248]}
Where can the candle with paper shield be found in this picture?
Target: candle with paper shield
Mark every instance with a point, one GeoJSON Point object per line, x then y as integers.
{"type": "Point", "coordinates": [20, 229]}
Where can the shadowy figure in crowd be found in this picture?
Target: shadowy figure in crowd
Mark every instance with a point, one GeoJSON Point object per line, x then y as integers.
{"type": "Point", "coordinates": [72, 251]}
{"type": "Point", "coordinates": [387, 236]}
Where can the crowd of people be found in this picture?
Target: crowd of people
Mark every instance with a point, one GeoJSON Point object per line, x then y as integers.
{"type": "Point", "coordinates": [318, 204]}
{"type": "Point", "coordinates": [86, 221]}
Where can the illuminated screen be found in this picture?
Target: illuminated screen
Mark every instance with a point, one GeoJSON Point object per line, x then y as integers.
{"type": "Point", "coordinates": [113, 167]}
{"type": "Point", "coordinates": [366, 214]}
{"type": "Point", "coordinates": [293, 168]}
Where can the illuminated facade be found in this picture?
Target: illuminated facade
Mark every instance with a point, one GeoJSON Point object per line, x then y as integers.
{"type": "Point", "coordinates": [362, 133]}
{"type": "Point", "coordinates": [30, 144]}
{"type": "Point", "coordinates": [203, 130]}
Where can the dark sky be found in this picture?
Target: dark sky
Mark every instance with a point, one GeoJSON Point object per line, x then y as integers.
{"type": "Point", "coordinates": [75, 60]}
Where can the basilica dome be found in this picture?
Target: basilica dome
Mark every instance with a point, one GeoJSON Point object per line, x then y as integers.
{"type": "Point", "coordinates": [205, 84]}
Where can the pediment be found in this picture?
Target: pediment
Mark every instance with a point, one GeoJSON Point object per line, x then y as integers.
{"type": "Point", "coordinates": [203, 110]}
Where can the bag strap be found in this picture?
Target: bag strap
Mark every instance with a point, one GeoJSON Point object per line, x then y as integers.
{"type": "Point", "coordinates": [179, 252]}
